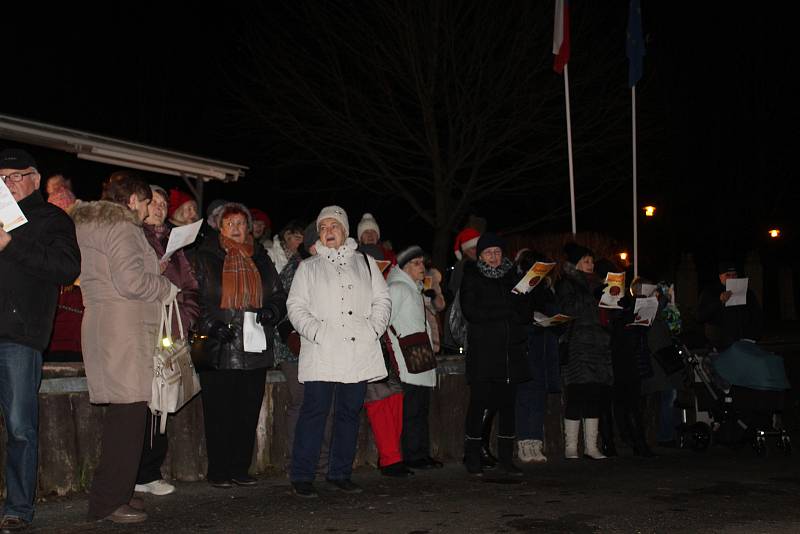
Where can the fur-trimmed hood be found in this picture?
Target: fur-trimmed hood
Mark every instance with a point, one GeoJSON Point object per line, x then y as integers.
{"type": "Point", "coordinates": [103, 212]}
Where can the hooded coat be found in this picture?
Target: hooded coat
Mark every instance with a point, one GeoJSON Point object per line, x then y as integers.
{"type": "Point", "coordinates": [122, 295]}
{"type": "Point", "coordinates": [339, 304]}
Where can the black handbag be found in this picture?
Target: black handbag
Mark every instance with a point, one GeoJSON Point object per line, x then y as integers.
{"type": "Point", "coordinates": [204, 351]}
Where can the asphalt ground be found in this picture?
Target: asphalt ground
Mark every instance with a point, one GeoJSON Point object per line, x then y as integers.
{"type": "Point", "coordinates": [721, 490]}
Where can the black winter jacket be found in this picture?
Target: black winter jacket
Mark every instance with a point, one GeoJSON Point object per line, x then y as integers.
{"type": "Point", "coordinates": [42, 256]}
{"type": "Point", "coordinates": [208, 261]}
{"type": "Point", "coordinates": [497, 333]}
{"type": "Point", "coordinates": [589, 342]}
{"type": "Point", "coordinates": [725, 325]}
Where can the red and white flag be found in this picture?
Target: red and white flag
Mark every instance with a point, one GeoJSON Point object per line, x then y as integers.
{"type": "Point", "coordinates": [561, 36]}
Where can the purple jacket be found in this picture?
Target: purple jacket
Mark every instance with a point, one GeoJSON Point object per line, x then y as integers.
{"type": "Point", "coordinates": [180, 272]}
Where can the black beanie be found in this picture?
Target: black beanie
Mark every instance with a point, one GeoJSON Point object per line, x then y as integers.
{"type": "Point", "coordinates": [488, 240]}
{"type": "Point", "coordinates": [575, 252]}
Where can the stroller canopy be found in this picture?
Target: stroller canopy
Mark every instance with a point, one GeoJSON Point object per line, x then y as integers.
{"type": "Point", "coordinates": [748, 365]}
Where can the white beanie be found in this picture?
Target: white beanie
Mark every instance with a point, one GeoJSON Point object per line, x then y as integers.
{"type": "Point", "coordinates": [368, 222]}
{"type": "Point", "coordinates": [337, 213]}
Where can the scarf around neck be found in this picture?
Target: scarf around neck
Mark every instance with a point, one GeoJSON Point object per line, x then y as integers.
{"type": "Point", "coordinates": [495, 272]}
{"type": "Point", "coordinates": [241, 280]}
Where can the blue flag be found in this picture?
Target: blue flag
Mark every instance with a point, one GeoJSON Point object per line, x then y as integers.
{"type": "Point", "coordinates": [635, 42]}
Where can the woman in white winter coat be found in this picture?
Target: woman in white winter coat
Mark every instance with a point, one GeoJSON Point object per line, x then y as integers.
{"type": "Point", "coordinates": [339, 304]}
{"type": "Point", "coordinates": [408, 317]}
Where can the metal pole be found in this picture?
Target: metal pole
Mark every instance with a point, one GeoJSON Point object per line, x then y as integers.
{"type": "Point", "coordinates": [635, 198]}
{"type": "Point", "coordinates": [569, 152]}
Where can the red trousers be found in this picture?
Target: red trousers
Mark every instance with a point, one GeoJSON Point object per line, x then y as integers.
{"type": "Point", "coordinates": [386, 420]}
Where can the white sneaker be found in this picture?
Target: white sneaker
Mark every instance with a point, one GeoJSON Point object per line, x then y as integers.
{"type": "Point", "coordinates": [156, 487]}
{"type": "Point", "coordinates": [536, 451]}
{"type": "Point", "coordinates": [525, 451]}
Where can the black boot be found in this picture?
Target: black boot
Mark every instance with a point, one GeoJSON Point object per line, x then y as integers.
{"type": "Point", "coordinates": [505, 449]}
{"type": "Point", "coordinates": [606, 427]}
{"type": "Point", "coordinates": [640, 447]}
{"type": "Point", "coordinates": [472, 456]}
{"type": "Point", "coordinates": [488, 460]}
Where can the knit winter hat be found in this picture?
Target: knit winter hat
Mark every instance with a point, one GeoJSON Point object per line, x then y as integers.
{"type": "Point", "coordinates": [575, 252]}
{"type": "Point", "coordinates": [489, 240]}
{"type": "Point", "coordinates": [467, 238]}
{"type": "Point", "coordinates": [259, 215]}
{"type": "Point", "coordinates": [177, 198]}
{"type": "Point", "coordinates": [310, 236]}
{"type": "Point", "coordinates": [337, 213]}
{"type": "Point", "coordinates": [408, 254]}
{"type": "Point", "coordinates": [62, 197]}
{"type": "Point", "coordinates": [158, 189]}
{"type": "Point", "coordinates": [367, 222]}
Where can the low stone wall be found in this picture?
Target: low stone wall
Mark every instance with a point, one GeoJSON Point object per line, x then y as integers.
{"type": "Point", "coordinates": [69, 429]}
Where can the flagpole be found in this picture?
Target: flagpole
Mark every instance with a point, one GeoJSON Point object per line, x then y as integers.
{"type": "Point", "coordinates": [635, 180]}
{"type": "Point", "coordinates": [569, 151]}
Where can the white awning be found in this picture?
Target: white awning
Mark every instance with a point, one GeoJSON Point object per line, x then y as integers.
{"type": "Point", "coordinates": [118, 152]}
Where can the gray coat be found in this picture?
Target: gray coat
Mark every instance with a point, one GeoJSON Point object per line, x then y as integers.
{"type": "Point", "coordinates": [589, 342]}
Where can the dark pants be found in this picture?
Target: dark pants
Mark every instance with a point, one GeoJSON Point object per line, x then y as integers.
{"type": "Point", "coordinates": [532, 395]}
{"type": "Point", "coordinates": [293, 412]}
{"type": "Point", "coordinates": [317, 400]}
{"type": "Point", "coordinates": [416, 436]}
{"type": "Point", "coordinates": [231, 405]}
{"type": "Point", "coordinates": [586, 401]}
{"type": "Point", "coordinates": [115, 476]}
{"type": "Point", "coordinates": [20, 376]}
{"type": "Point", "coordinates": [490, 395]}
{"type": "Point", "coordinates": [153, 452]}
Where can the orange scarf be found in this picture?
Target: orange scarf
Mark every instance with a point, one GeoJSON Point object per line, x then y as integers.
{"type": "Point", "coordinates": [241, 280]}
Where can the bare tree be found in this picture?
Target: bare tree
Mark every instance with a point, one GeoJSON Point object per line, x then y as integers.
{"type": "Point", "coordinates": [440, 103]}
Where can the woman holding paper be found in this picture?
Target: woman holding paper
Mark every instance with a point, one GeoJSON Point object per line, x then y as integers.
{"type": "Point", "coordinates": [587, 373]}
{"type": "Point", "coordinates": [178, 270]}
{"type": "Point", "coordinates": [241, 298]}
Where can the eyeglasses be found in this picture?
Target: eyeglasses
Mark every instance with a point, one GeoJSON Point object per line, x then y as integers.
{"type": "Point", "coordinates": [234, 224]}
{"type": "Point", "coordinates": [15, 176]}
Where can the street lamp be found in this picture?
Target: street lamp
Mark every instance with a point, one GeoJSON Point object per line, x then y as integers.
{"type": "Point", "coordinates": [623, 256]}
{"type": "Point", "coordinates": [775, 233]}
{"type": "Point", "coordinates": [649, 211]}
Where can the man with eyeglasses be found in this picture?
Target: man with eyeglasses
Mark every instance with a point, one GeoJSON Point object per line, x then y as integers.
{"type": "Point", "coordinates": [35, 260]}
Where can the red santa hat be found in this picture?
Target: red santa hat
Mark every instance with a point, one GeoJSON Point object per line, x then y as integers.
{"type": "Point", "coordinates": [466, 238]}
{"type": "Point", "coordinates": [177, 198]}
{"type": "Point", "coordinates": [259, 215]}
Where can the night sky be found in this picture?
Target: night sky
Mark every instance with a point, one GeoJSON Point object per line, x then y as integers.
{"type": "Point", "coordinates": [717, 108]}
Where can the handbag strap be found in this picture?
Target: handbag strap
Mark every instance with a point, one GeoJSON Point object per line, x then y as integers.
{"type": "Point", "coordinates": [166, 321]}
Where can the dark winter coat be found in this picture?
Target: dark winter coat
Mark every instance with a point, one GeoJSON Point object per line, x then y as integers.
{"type": "Point", "coordinates": [726, 324]}
{"type": "Point", "coordinates": [497, 333]}
{"type": "Point", "coordinates": [42, 256]}
{"type": "Point", "coordinates": [589, 342]}
{"type": "Point", "coordinates": [209, 259]}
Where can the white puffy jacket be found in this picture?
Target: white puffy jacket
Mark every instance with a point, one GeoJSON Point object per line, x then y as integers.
{"type": "Point", "coordinates": [340, 310]}
{"type": "Point", "coordinates": [408, 317]}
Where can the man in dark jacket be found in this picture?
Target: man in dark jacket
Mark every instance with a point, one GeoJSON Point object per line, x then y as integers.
{"type": "Point", "coordinates": [724, 325]}
{"type": "Point", "coordinates": [35, 260]}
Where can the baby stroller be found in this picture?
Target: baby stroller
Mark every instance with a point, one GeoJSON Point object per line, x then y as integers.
{"type": "Point", "coordinates": [735, 397]}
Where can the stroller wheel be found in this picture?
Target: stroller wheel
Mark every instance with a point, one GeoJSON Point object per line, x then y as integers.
{"type": "Point", "coordinates": [699, 437]}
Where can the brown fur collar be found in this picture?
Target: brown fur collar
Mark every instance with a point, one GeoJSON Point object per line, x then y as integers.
{"type": "Point", "coordinates": [103, 212]}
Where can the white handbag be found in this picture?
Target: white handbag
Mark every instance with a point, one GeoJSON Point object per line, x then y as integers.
{"type": "Point", "coordinates": [175, 380]}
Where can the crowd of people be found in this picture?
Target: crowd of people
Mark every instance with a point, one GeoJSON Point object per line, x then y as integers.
{"type": "Point", "coordinates": [87, 278]}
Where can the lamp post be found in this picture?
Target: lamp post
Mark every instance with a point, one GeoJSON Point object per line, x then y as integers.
{"type": "Point", "coordinates": [775, 233]}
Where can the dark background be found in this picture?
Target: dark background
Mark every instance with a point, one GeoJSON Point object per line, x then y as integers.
{"type": "Point", "coordinates": [717, 102]}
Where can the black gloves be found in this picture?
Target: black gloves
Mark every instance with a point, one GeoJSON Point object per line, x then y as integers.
{"type": "Point", "coordinates": [284, 329]}
{"type": "Point", "coordinates": [267, 316]}
{"type": "Point", "coordinates": [430, 293]}
{"type": "Point", "coordinates": [221, 332]}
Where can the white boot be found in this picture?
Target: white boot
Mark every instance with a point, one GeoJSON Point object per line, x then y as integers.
{"type": "Point", "coordinates": [590, 439]}
{"type": "Point", "coordinates": [536, 448]}
{"type": "Point", "coordinates": [525, 451]}
{"type": "Point", "coordinates": [571, 428]}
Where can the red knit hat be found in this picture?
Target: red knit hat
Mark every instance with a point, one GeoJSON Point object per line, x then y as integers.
{"type": "Point", "coordinates": [466, 238]}
{"type": "Point", "coordinates": [177, 198]}
{"type": "Point", "coordinates": [259, 215]}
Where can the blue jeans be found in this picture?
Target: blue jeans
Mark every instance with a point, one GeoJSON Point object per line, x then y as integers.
{"type": "Point", "coordinates": [531, 402]}
{"type": "Point", "coordinates": [20, 375]}
{"type": "Point", "coordinates": [317, 399]}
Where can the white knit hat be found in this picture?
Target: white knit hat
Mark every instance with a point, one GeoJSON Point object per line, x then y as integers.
{"type": "Point", "coordinates": [367, 222]}
{"type": "Point", "coordinates": [337, 213]}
